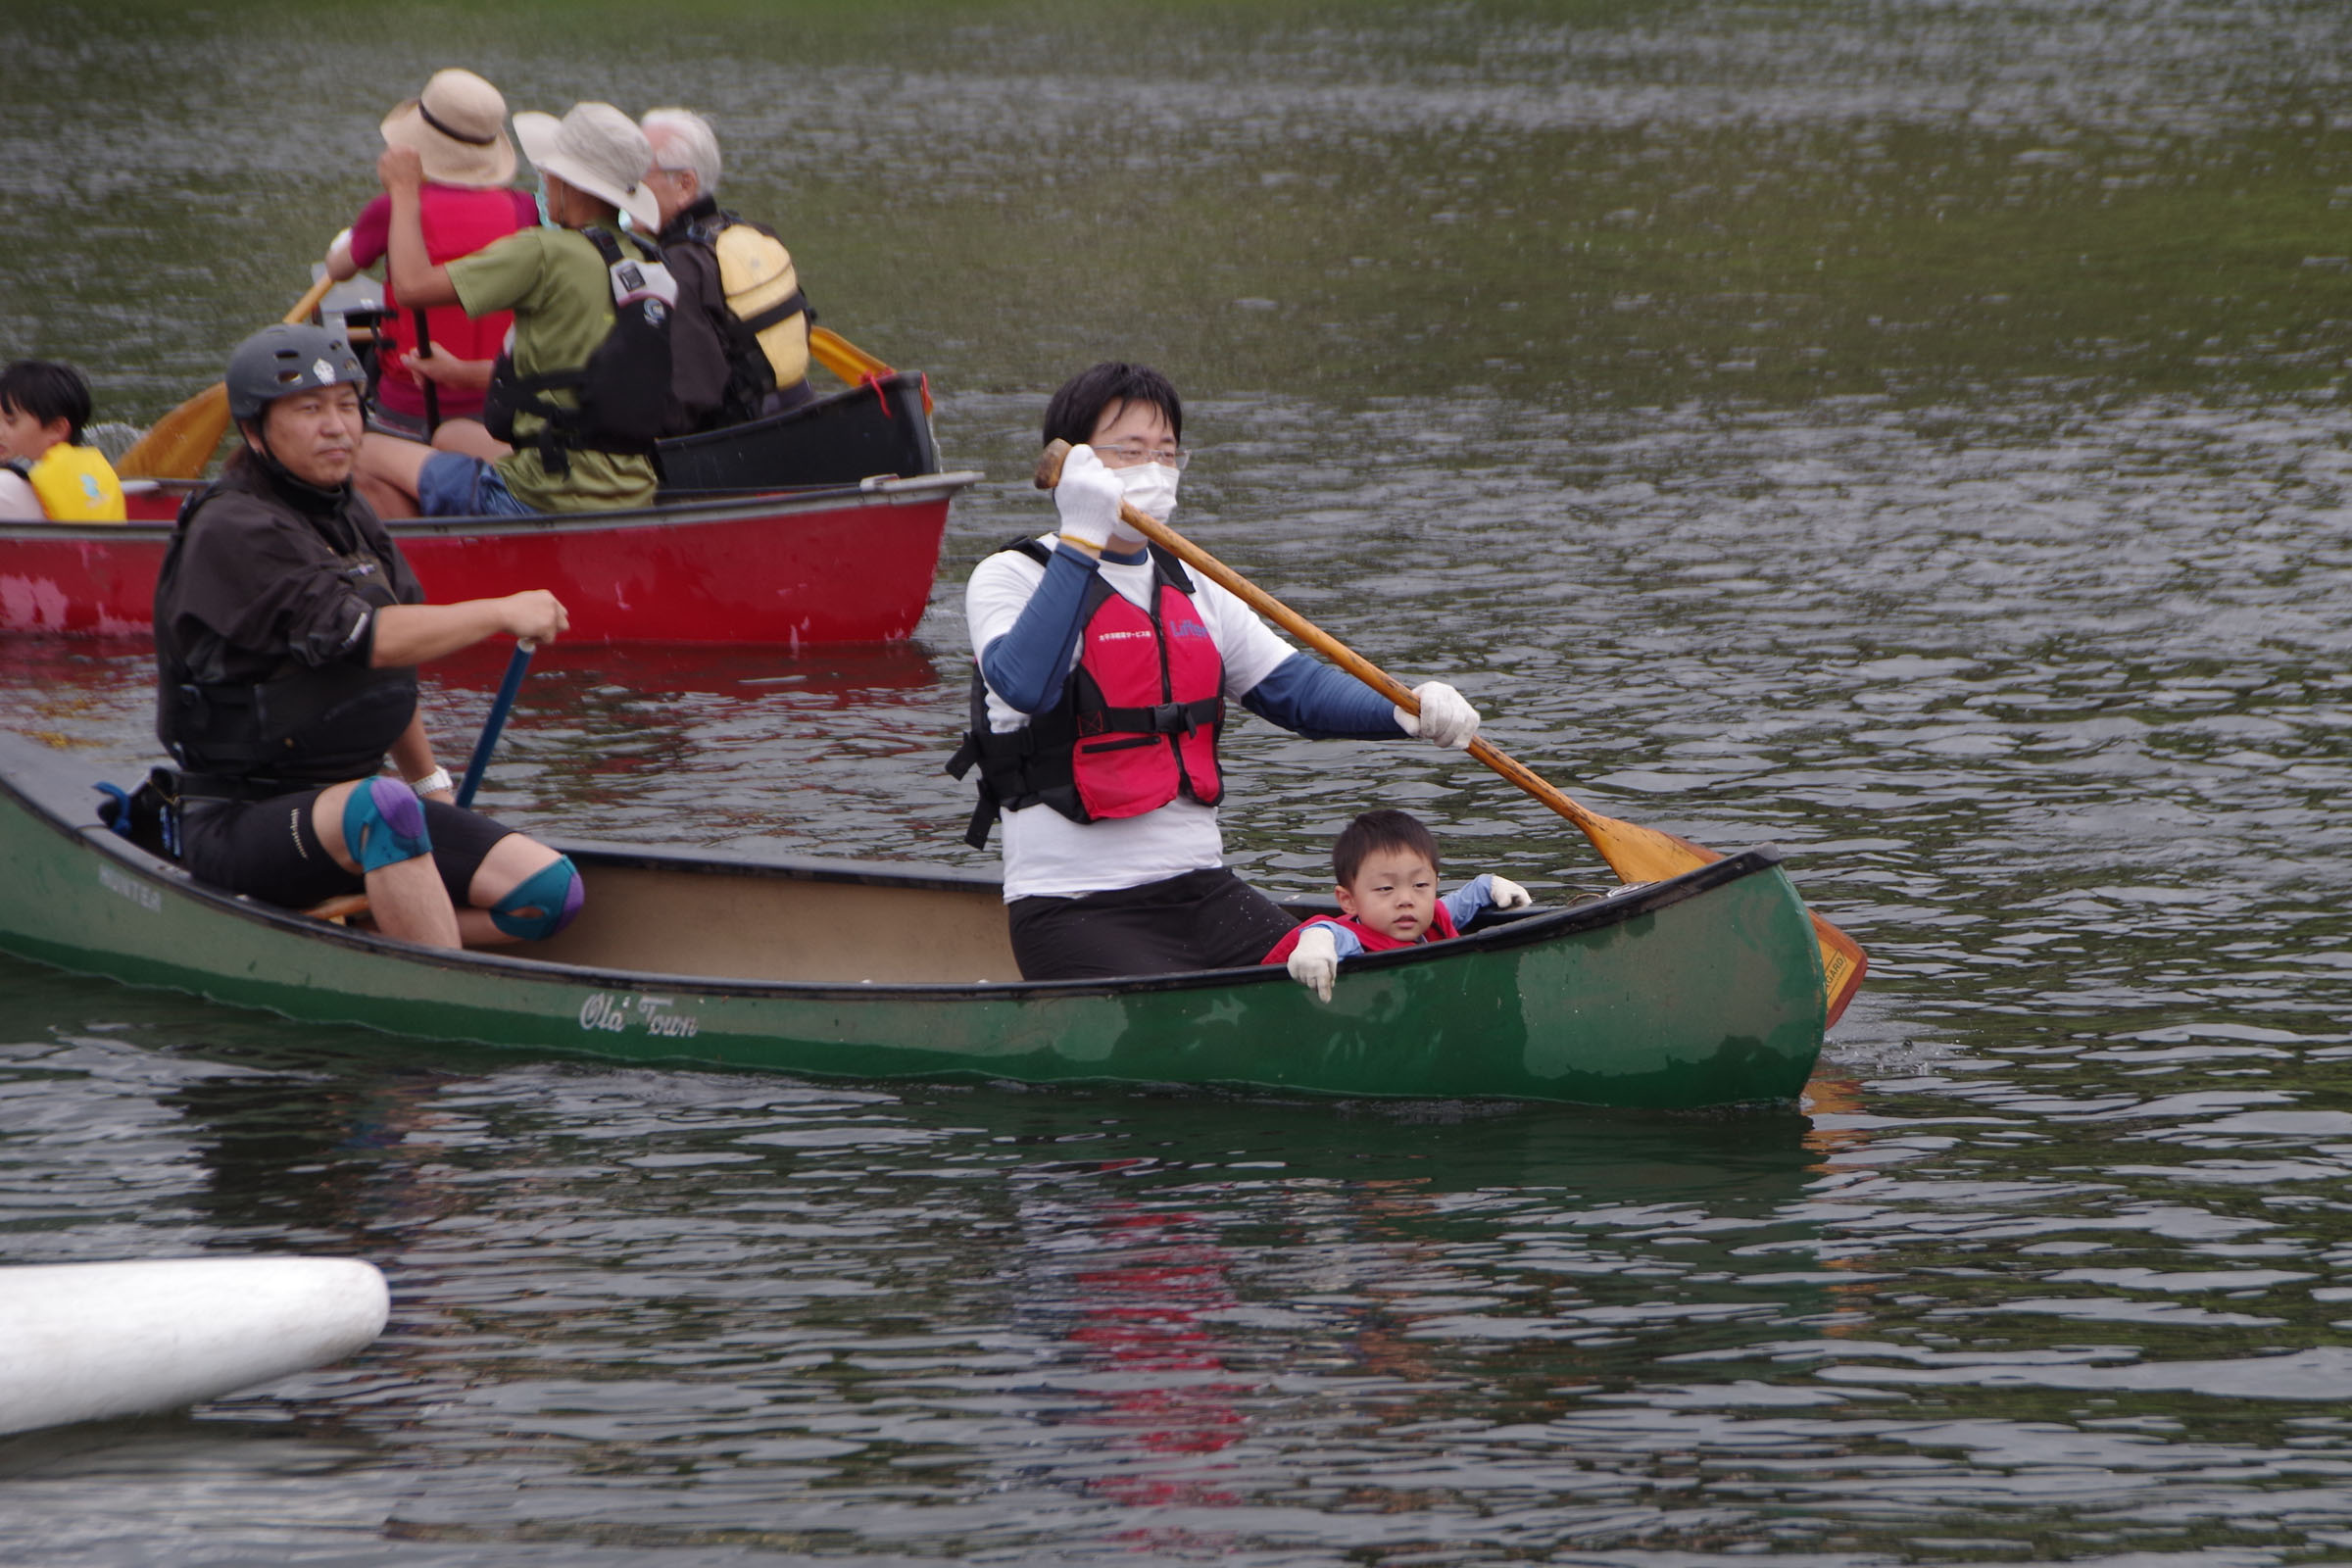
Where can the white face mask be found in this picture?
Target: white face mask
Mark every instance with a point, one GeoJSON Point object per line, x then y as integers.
{"type": "Point", "coordinates": [1148, 487]}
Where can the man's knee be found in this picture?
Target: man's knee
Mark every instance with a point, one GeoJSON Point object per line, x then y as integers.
{"type": "Point", "coordinates": [383, 824]}
{"type": "Point", "coordinates": [541, 903]}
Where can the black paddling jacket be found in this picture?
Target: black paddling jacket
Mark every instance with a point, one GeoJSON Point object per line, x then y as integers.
{"type": "Point", "coordinates": [265, 622]}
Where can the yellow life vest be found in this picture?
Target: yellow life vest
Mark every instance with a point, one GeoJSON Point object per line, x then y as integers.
{"type": "Point", "coordinates": [76, 484]}
{"type": "Point", "coordinates": [756, 272]}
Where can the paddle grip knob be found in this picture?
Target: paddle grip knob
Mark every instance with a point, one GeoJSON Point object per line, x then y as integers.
{"type": "Point", "coordinates": [1049, 462]}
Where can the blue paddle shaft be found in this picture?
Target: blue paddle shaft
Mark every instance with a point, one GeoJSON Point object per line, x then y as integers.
{"type": "Point", "coordinates": [487, 742]}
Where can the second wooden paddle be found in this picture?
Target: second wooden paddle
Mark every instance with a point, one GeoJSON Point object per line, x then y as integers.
{"type": "Point", "coordinates": [1635, 854]}
{"type": "Point", "coordinates": [178, 445]}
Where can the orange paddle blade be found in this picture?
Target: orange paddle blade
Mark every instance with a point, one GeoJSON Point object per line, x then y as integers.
{"type": "Point", "coordinates": [1640, 853]}
{"type": "Point", "coordinates": [841, 357]}
{"type": "Point", "coordinates": [1651, 855]}
{"type": "Point", "coordinates": [178, 445]}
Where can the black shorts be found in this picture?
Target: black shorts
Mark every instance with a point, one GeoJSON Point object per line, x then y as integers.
{"type": "Point", "coordinates": [267, 848]}
{"type": "Point", "coordinates": [1200, 920]}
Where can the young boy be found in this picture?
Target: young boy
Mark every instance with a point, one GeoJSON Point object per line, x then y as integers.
{"type": "Point", "coordinates": [43, 405]}
{"type": "Point", "coordinates": [1387, 865]}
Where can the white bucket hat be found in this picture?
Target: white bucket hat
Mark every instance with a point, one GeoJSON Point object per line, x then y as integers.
{"type": "Point", "coordinates": [598, 149]}
{"type": "Point", "coordinates": [459, 127]}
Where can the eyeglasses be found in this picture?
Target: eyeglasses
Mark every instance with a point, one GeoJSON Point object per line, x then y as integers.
{"type": "Point", "coordinates": [1135, 455]}
{"type": "Point", "coordinates": [1129, 455]}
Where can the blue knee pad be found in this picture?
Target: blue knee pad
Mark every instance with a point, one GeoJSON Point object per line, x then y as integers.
{"type": "Point", "coordinates": [383, 824]}
{"type": "Point", "coordinates": [541, 903]}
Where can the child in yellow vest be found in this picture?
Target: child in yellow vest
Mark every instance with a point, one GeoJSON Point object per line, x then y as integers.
{"type": "Point", "coordinates": [43, 405]}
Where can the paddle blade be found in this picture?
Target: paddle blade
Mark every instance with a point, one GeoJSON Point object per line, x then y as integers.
{"type": "Point", "coordinates": [181, 443]}
{"type": "Point", "coordinates": [1651, 855]}
{"type": "Point", "coordinates": [1843, 961]}
{"type": "Point", "coordinates": [841, 357]}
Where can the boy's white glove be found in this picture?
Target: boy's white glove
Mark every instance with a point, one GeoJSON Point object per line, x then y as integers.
{"type": "Point", "coordinates": [1087, 498]}
{"type": "Point", "coordinates": [1446, 716]}
{"type": "Point", "coordinates": [1509, 895]}
{"type": "Point", "coordinates": [1315, 961]}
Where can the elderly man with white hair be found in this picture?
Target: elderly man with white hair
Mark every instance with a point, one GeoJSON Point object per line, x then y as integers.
{"type": "Point", "coordinates": [739, 348]}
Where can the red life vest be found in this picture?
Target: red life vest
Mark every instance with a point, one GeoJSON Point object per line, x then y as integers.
{"type": "Point", "coordinates": [1137, 721]}
{"type": "Point", "coordinates": [458, 222]}
{"type": "Point", "coordinates": [1441, 929]}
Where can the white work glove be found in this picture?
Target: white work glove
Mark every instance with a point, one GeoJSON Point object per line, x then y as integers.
{"type": "Point", "coordinates": [1315, 961]}
{"type": "Point", "coordinates": [1446, 716]}
{"type": "Point", "coordinates": [1507, 894]}
{"type": "Point", "coordinates": [1087, 498]}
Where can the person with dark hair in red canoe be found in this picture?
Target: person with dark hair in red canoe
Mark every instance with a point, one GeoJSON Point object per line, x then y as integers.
{"type": "Point", "coordinates": [1386, 866]}
{"type": "Point", "coordinates": [458, 126]}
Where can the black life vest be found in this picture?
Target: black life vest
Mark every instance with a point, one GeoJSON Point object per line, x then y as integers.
{"type": "Point", "coordinates": [301, 725]}
{"type": "Point", "coordinates": [623, 393]}
{"type": "Point", "coordinates": [1137, 723]}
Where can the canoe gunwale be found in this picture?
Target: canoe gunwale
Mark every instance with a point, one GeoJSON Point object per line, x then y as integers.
{"type": "Point", "coordinates": [41, 799]}
{"type": "Point", "coordinates": [718, 507]}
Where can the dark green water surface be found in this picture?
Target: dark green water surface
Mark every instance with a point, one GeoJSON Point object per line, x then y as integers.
{"type": "Point", "coordinates": [1910, 432]}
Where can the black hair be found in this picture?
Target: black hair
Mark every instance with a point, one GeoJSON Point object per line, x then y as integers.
{"type": "Point", "coordinates": [1077, 407]}
{"type": "Point", "coordinates": [47, 390]}
{"type": "Point", "coordinates": [1386, 829]}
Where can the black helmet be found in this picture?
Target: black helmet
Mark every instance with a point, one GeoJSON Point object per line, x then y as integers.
{"type": "Point", "coordinates": [279, 361]}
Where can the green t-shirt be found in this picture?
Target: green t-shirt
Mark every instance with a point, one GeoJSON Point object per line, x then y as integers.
{"type": "Point", "coordinates": [556, 284]}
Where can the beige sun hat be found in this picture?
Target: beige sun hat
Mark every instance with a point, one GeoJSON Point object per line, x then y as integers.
{"type": "Point", "coordinates": [598, 149]}
{"type": "Point", "coordinates": [459, 127]}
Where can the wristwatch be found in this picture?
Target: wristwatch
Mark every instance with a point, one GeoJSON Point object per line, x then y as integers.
{"type": "Point", "coordinates": [438, 779]}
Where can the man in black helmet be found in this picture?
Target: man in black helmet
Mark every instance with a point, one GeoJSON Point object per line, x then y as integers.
{"type": "Point", "coordinates": [287, 628]}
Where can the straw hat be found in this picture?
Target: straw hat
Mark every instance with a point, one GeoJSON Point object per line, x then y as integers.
{"type": "Point", "coordinates": [598, 149]}
{"type": "Point", "coordinates": [458, 126]}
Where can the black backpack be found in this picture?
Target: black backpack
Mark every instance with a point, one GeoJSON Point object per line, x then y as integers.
{"type": "Point", "coordinates": [625, 397]}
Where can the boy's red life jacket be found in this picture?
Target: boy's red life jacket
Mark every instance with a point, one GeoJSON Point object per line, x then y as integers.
{"type": "Point", "coordinates": [1441, 929]}
{"type": "Point", "coordinates": [1138, 721]}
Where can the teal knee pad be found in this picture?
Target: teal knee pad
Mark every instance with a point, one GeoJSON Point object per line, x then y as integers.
{"type": "Point", "coordinates": [541, 903]}
{"type": "Point", "coordinates": [383, 824]}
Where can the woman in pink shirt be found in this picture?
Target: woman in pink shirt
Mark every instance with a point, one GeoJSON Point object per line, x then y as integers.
{"type": "Point", "coordinates": [458, 126]}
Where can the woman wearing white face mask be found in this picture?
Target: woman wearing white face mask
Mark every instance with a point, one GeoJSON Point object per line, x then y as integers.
{"type": "Point", "coordinates": [1102, 672]}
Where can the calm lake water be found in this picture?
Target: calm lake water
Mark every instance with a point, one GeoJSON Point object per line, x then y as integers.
{"type": "Point", "coordinates": [1910, 432]}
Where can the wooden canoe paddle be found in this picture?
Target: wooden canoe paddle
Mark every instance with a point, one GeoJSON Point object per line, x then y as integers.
{"type": "Point", "coordinates": [1635, 854]}
{"type": "Point", "coordinates": [178, 445]}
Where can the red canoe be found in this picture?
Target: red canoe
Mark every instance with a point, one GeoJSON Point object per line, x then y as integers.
{"type": "Point", "coordinates": [848, 564]}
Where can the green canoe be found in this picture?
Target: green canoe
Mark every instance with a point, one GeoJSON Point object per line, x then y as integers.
{"type": "Point", "coordinates": [1702, 990]}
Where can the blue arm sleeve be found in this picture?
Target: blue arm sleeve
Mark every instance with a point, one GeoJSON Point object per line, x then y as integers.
{"type": "Point", "coordinates": [1027, 665]}
{"type": "Point", "coordinates": [1319, 702]}
{"type": "Point", "coordinates": [1470, 897]}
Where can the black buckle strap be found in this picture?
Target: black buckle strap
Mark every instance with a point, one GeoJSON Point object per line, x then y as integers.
{"type": "Point", "coordinates": [175, 786]}
{"type": "Point", "coordinates": [794, 304]}
{"type": "Point", "coordinates": [1166, 718]}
